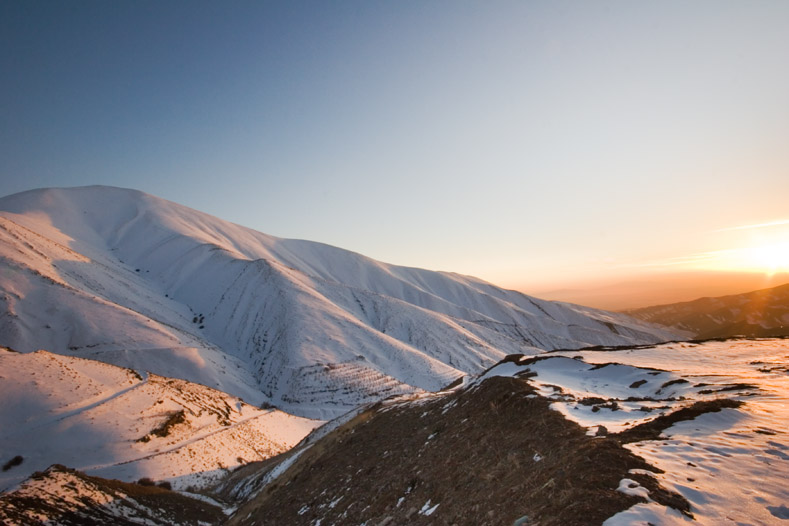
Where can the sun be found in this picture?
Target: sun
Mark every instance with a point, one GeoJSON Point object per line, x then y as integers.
{"type": "Point", "coordinates": [754, 248]}
{"type": "Point", "coordinates": [768, 258]}
{"type": "Point", "coordinates": [771, 259]}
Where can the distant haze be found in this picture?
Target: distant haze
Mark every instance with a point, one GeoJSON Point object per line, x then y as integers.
{"type": "Point", "coordinates": [659, 289]}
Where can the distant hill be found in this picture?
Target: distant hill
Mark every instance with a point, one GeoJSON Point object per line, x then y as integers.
{"type": "Point", "coordinates": [130, 279]}
{"type": "Point", "coordinates": [762, 313]}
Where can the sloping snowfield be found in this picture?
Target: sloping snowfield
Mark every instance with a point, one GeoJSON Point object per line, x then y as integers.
{"type": "Point", "coordinates": [115, 423]}
{"type": "Point", "coordinates": [731, 465]}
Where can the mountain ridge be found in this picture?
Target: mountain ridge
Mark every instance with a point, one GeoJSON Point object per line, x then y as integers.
{"type": "Point", "coordinates": [759, 313]}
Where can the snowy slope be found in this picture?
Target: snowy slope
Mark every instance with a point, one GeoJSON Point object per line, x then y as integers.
{"type": "Point", "coordinates": [704, 426]}
{"type": "Point", "coordinates": [731, 464]}
{"type": "Point", "coordinates": [115, 423]}
{"type": "Point", "coordinates": [134, 280]}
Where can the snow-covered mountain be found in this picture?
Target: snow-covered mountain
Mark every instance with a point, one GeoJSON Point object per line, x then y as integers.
{"type": "Point", "coordinates": [137, 281]}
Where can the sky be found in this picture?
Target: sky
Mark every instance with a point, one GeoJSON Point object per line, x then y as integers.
{"type": "Point", "coordinates": [541, 145]}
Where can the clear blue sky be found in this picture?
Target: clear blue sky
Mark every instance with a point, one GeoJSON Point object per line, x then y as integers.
{"type": "Point", "coordinates": [522, 142]}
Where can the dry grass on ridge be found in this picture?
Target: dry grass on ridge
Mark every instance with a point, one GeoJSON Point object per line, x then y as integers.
{"type": "Point", "coordinates": [489, 455]}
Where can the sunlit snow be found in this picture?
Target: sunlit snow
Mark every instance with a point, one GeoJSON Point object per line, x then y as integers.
{"type": "Point", "coordinates": [731, 465]}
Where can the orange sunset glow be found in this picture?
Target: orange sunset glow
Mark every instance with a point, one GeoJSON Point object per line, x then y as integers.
{"type": "Point", "coordinates": [760, 248]}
